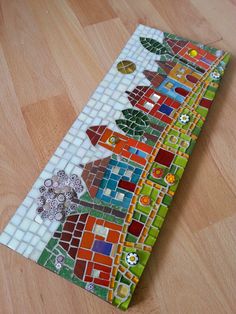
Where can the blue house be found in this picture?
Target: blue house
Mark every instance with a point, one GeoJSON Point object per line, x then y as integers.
{"type": "Point", "coordinates": [173, 89]}
{"type": "Point", "coordinates": [111, 180]}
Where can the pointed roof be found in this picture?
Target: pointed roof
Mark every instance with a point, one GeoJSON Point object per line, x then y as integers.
{"type": "Point", "coordinates": [155, 78]}
{"type": "Point", "coordinates": [175, 45]}
{"type": "Point", "coordinates": [137, 94]}
{"type": "Point", "coordinates": [95, 132]}
{"type": "Point", "coordinates": [93, 173]}
{"type": "Point", "coordinates": [166, 66]}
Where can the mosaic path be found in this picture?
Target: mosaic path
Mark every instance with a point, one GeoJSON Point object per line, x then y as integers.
{"type": "Point", "coordinates": [96, 210]}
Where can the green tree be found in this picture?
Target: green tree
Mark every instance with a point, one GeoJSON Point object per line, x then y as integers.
{"type": "Point", "coordinates": [135, 122]}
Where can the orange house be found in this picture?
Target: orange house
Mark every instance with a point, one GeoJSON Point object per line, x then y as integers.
{"type": "Point", "coordinates": [97, 251]}
{"type": "Point", "coordinates": [119, 144]}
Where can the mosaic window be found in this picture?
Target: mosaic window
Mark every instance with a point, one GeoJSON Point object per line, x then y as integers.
{"type": "Point", "coordinates": [96, 210]}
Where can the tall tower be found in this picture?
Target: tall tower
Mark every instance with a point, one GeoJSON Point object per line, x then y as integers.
{"type": "Point", "coordinates": [119, 144]}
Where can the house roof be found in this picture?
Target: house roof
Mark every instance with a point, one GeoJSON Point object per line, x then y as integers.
{"type": "Point", "coordinates": [175, 45]}
{"type": "Point", "coordinates": [93, 173]}
{"type": "Point", "coordinates": [137, 94]}
{"type": "Point", "coordinates": [155, 78]}
{"type": "Point", "coordinates": [95, 132]}
{"type": "Point", "coordinates": [166, 66]}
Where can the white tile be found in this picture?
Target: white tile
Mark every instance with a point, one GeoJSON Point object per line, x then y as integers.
{"type": "Point", "coordinates": [4, 238]}
{"type": "Point", "coordinates": [13, 244]}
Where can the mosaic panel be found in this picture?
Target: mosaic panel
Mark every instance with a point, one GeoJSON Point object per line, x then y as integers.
{"type": "Point", "coordinates": [96, 210]}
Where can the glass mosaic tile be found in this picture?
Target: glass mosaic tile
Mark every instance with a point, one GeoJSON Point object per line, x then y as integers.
{"type": "Point", "coordinates": [96, 210]}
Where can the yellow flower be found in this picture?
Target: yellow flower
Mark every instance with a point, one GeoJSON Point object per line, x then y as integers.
{"type": "Point", "coordinates": [170, 178]}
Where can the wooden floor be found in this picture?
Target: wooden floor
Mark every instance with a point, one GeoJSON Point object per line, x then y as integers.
{"type": "Point", "coordinates": [53, 53]}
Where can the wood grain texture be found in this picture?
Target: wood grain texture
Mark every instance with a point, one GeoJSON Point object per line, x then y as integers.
{"type": "Point", "coordinates": [52, 55]}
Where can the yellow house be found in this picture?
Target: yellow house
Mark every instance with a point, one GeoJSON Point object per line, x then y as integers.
{"type": "Point", "coordinates": [180, 73]}
{"type": "Point", "coordinates": [184, 75]}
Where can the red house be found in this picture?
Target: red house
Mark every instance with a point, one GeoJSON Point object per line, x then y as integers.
{"type": "Point", "coordinates": [153, 102]}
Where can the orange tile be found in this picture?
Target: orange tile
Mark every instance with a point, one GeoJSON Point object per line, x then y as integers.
{"type": "Point", "coordinates": [144, 147]}
{"type": "Point", "coordinates": [97, 237]}
{"type": "Point", "coordinates": [102, 259]}
{"type": "Point", "coordinates": [113, 236]}
{"type": "Point", "coordinates": [112, 226]}
{"type": "Point", "coordinates": [87, 240]}
{"type": "Point", "coordinates": [138, 159]}
{"type": "Point", "coordinates": [90, 223]}
{"type": "Point", "coordinates": [100, 222]}
{"type": "Point", "coordinates": [84, 254]}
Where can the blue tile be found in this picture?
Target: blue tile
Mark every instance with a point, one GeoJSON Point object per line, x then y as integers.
{"type": "Point", "coordinates": [102, 247]}
{"type": "Point", "coordinates": [112, 184]}
{"type": "Point", "coordinates": [165, 109]}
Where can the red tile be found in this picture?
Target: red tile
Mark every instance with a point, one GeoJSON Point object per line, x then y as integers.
{"type": "Point", "coordinates": [72, 218]}
{"type": "Point", "coordinates": [206, 103]}
{"type": "Point", "coordinates": [80, 268]}
{"type": "Point", "coordinates": [75, 242]}
{"type": "Point", "coordinates": [104, 276]}
{"type": "Point", "coordinates": [69, 226]}
{"type": "Point", "coordinates": [103, 268]}
{"type": "Point", "coordinates": [191, 78]}
{"type": "Point", "coordinates": [101, 282]}
{"type": "Point", "coordinates": [65, 245]}
{"type": "Point", "coordinates": [181, 91]}
{"type": "Point", "coordinates": [83, 217]}
{"type": "Point", "coordinates": [80, 226]}
{"type": "Point", "coordinates": [166, 119]}
{"type": "Point", "coordinates": [65, 236]}
{"type": "Point", "coordinates": [135, 228]}
{"type": "Point", "coordinates": [73, 252]}
{"type": "Point", "coordinates": [164, 157]}
{"type": "Point", "coordinates": [77, 233]}
{"type": "Point", "coordinates": [89, 268]}
{"type": "Point", "coordinates": [130, 186]}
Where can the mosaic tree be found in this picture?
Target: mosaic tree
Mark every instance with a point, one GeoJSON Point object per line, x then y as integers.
{"type": "Point", "coordinates": [136, 123]}
{"type": "Point", "coordinates": [59, 196]}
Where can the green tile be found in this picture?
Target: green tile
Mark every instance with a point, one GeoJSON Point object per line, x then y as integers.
{"type": "Point", "coordinates": [158, 221]}
{"type": "Point", "coordinates": [162, 211]}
